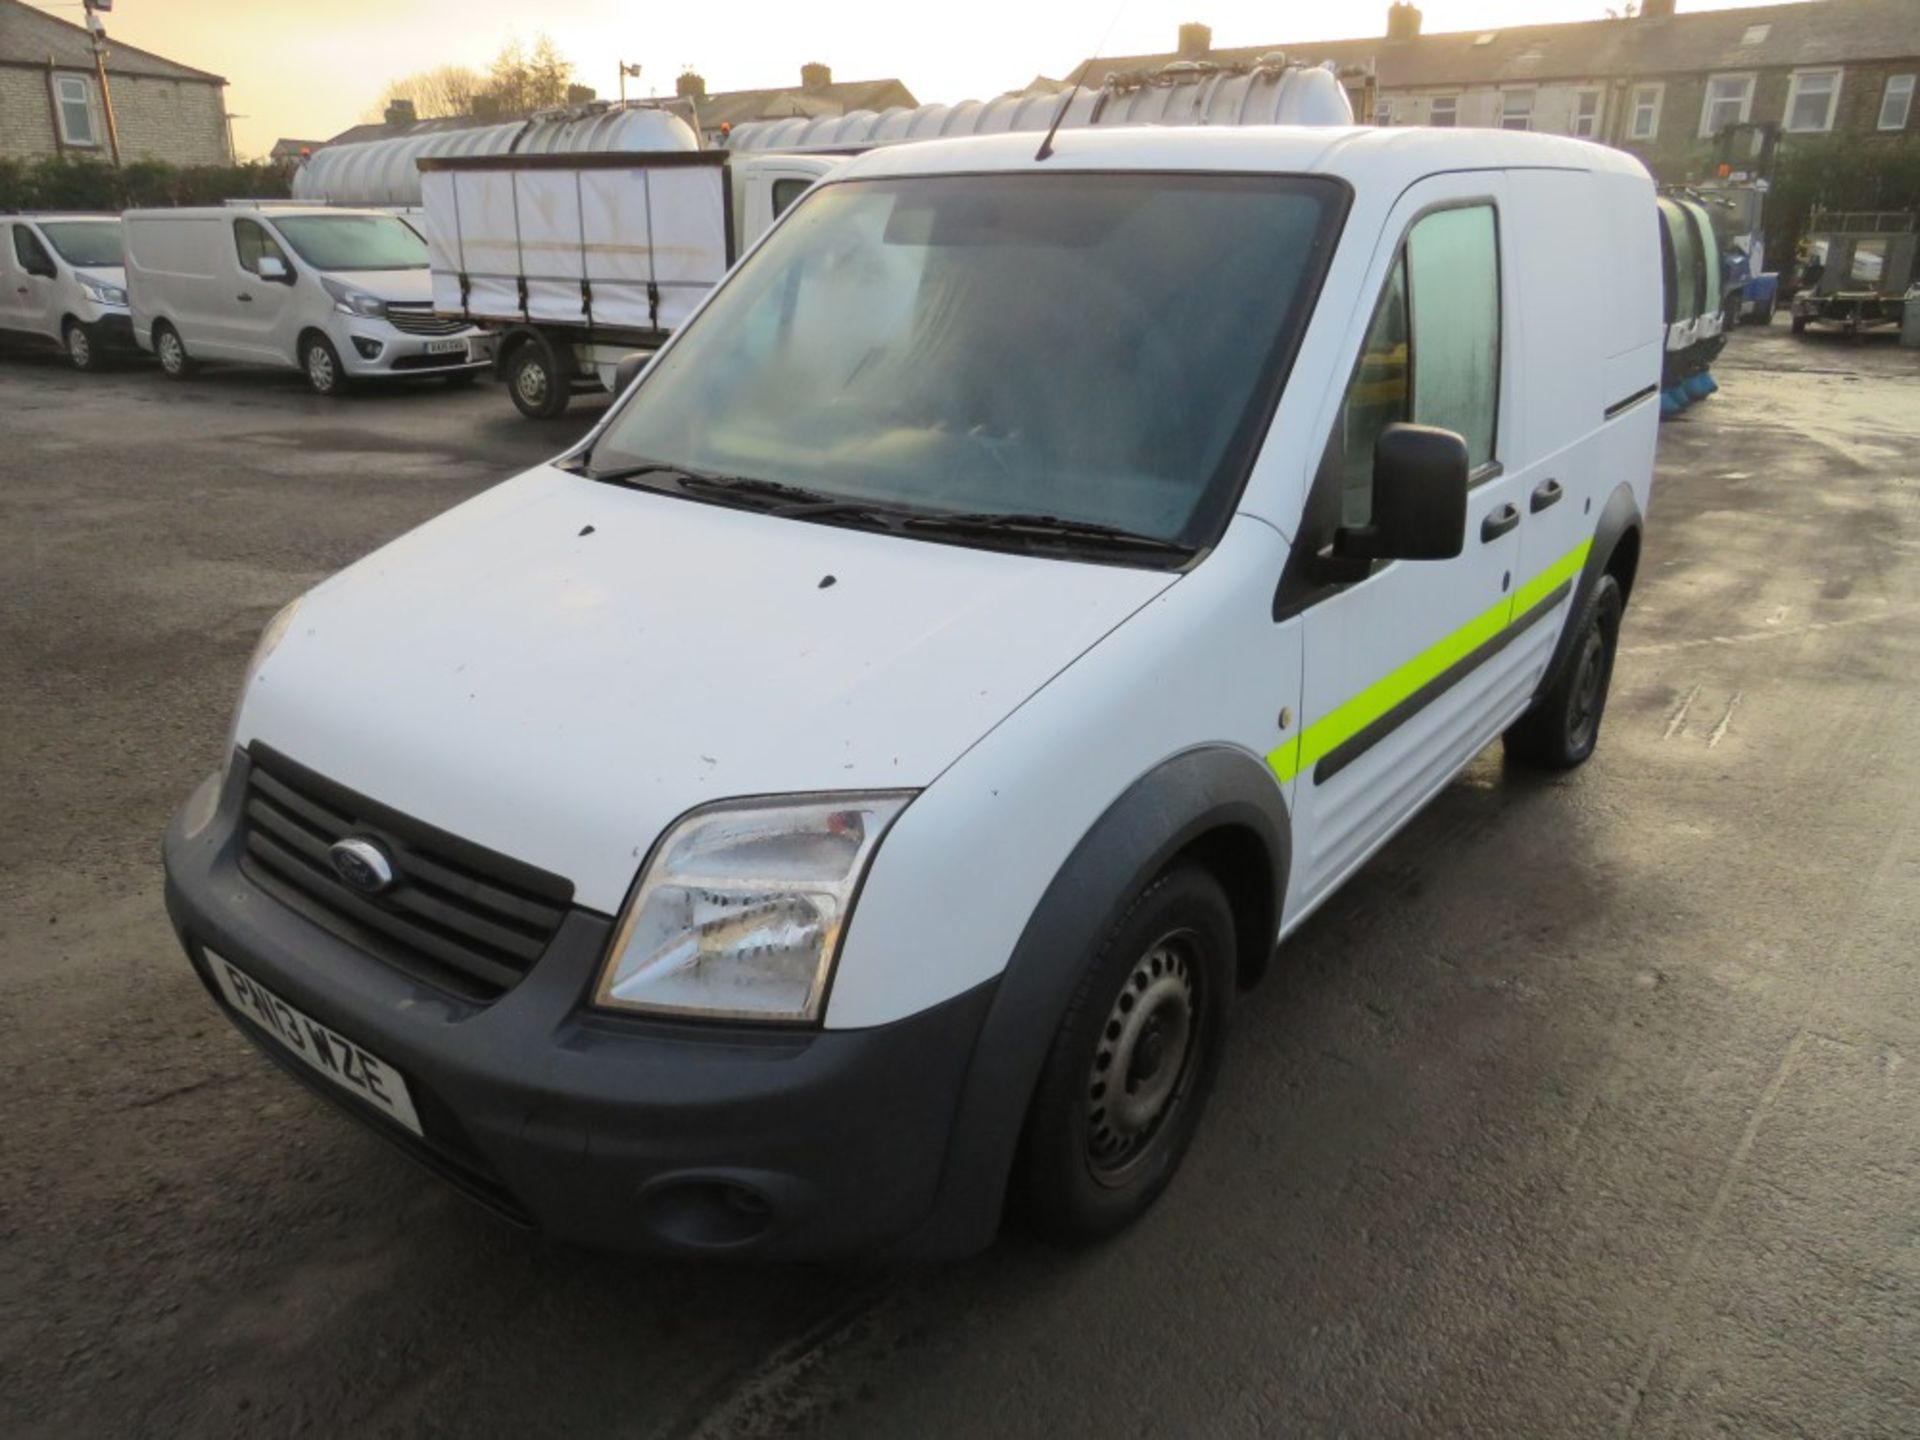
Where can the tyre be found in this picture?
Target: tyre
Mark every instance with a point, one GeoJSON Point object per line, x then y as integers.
{"type": "Point", "coordinates": [1799, 324]}
{"type": "Point", "coordinates": [80, 352]}
{"type": "Point", "coordinates": [171, 351]}
{"type": "Point", "coordinates": [1562, 728]}
{"type": "Point", "coordinates": [1764, 315]}
{"type": "Point", "coordinates": [537, 381]}
{"type": "Point", "coordinates": [1123, 1085]}
{"type": "Point", "coordinates": [321, 364]}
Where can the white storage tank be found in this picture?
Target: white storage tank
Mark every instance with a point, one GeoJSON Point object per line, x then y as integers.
{"type": "Point", "coordinates": [1271, 91]}
{"type": "Point", "coordinates": [383, 172]}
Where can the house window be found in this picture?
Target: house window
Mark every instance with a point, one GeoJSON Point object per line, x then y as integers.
{"type": "Point", "coordinates": [1646, 112]}
{"type": "Point", "coordinates": [1896, 105]}
{"type": "Point", "coordinates": [1516, 110]}
{"type": "Point", "coordinates": [1586, 113]}
{"type": "Point", "coordinates": [1383, 112]}
{"type": "Point", "coordinates": [74, 97]}
{"type": "Point", "coordinates": [1812, 97]}
{"type": "Point", "coordinates": [1729, 102]}
{"type": "Point", "coordinates": [1755, 35]}
{"type": "Point", "coordinates": [1444, 110]}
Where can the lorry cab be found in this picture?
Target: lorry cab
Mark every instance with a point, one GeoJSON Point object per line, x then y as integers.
{"type": "Point", "coordinates": [845, 796]}
{"type": "Point", "coordinates": [62, 283]}
{"type": "Point", "coordinates": [339, 295]}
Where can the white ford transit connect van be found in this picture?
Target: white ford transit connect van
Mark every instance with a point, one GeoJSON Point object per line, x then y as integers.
{"type": "Point", "coordinates": [61, 282]}
{"type": "Point", "coordinates": [848, 790]}
{"type": "Point", "coordinates": [336, 294]}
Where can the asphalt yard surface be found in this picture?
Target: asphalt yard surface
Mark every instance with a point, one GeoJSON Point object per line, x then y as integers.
{"type": "Point", "coordinates": [1587, 1109]}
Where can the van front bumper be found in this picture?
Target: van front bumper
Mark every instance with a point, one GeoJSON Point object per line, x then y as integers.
{"type": "Point", "coordinates": [613, 1132]}
{"type": "Point", "coordinates": [375, 347]}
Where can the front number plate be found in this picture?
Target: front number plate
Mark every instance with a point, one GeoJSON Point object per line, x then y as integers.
{"type": "Point", "coordinates": [446, 347]}
{"type": "Point", "coordinates": [344, 1063]}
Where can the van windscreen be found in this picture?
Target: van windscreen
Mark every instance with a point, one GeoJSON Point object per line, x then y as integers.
{"type": "Point", "coordinates": [1099, 348]}
{"type": "Point", "coordinates": [85, 243]}
{"type": "Point", "coordinates": [353, 242]}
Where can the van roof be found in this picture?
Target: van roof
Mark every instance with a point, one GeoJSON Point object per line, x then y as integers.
{"type": "Point", "coordinates": [40, 216]}
{"type": "Point", "coordinates": [1362, 154]}
{"type": "Point", "coordinates": [229, 212]}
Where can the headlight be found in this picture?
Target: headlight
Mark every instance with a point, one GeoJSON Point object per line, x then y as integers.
{"type": "Point", "coordinates": [269, 639]}
{"type": "Point", "coordinates": [349, 301]}
{"type": "Point", "coordinates": [741, 910]}
{"type": "Point", "coordinates": [102, 292]}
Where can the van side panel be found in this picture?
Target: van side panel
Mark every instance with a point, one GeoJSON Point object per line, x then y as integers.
{"type": "Point", "coordinates": [174, 272]}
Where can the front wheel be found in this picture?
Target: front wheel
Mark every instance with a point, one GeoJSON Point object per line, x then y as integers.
{"type": "Point", "coordinates": [321, 362]}
{"type": "Point", "coordinates": [1562, 728]}
{"type": "Point", "coordinates": [80, 352]}
{"type": "Point", "coordinates": [1123, 1086]}
{"type": "Point", "coordinates": [539, 386]}
{"type": "Point", "coordinates": [172, 354]}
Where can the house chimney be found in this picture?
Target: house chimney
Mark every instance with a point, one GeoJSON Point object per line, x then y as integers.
{"type": "Point", "coordinates": [690, 85]}
{"type": "Point", "coordinates": [1403, 21]}
{"type": "Point", "coordinates": [815, 76]}
{"type": "Point", "coordinates": [1656, 9]}
{"type": "Point", "coordinates": [400, 112]}
{"type": "Point", "coordinates": [1195, 40]}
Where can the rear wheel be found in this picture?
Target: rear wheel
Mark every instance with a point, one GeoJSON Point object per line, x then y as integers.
{"type": "Point", "coordinates": [80, 352]}
{"type": "Point", "coordinates": [1799, 324]}
{"type": "Point", "coordinates": [537, 379]}
{"type": "Point", "coordinates": [172, 354]}
{"type": "Point", "coordinates": [1123, 1086]}
{"type": "Point", "coordinates": [1564, 725]}
{"type": "Point", "coordinates": [321, 362]}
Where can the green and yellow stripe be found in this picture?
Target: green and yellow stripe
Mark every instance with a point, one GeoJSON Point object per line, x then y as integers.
{"type": "Point", "coordinates": [1332, 730]}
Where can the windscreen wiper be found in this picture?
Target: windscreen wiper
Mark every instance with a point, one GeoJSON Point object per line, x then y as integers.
{"type": "Point", "coordinates": [707, 482]}
{"type": "Point", "coordinates": [1021, 525]}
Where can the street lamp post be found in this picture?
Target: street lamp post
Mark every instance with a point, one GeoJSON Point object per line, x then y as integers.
{"type": "Point", "coordinates": [98, 31]}
{"type": "Point", "coordinates": [625, 71]}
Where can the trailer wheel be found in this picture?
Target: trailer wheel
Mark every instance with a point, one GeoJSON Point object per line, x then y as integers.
{"type": "Point", "coordinates": [536, 379]}
{"type": "Point", "coordinates": [1764, 314]}
{"type": "Point", "coordinates": [1799, 324]}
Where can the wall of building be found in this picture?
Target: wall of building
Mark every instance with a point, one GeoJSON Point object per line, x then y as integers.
{"type": "Point", "coordinates": [179, 121]}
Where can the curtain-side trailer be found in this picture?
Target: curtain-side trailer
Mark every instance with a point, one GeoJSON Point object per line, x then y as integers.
{"type": "Point", "coordinates": [576, 261]}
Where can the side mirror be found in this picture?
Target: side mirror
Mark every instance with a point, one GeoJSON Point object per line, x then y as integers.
{"type": "Point", "coordinates": [628, 369]}
{"type": "Point", "coordinates": [1419, 498]}
{"type": "Point", "coordinates": [274, 269]}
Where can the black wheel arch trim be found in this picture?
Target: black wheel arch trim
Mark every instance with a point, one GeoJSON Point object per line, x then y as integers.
{"type": "Point", "coordinates": [1619, 517]}
{"type": "Point", "coordinates": [1183, 802]}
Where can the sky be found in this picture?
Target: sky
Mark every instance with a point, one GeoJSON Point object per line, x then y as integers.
{"type": "Point", "coordinates": [310, 70]}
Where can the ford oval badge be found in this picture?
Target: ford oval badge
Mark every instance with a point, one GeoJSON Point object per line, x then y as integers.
{"type": "Point", "coordinates": [362, 864]}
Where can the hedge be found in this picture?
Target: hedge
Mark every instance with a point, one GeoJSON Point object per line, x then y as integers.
{"type": "Point", "coordinates": [58, 182]}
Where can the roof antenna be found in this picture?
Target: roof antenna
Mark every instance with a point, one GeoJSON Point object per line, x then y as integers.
{"type": "Point", "coordinates": [1079, 79]}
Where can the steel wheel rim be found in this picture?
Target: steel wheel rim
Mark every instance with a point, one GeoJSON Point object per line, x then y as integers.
{"type": "Point", "coordinates": [1586, 687]}
{"type": "Point", "coordinates": [530, 380]}
{"type": "Point", "coordinates": [79, 348]}
{"type": "Point", "coordinates": [1144, 1060]}
{"type": "Point", "coordinates": [320, 368]}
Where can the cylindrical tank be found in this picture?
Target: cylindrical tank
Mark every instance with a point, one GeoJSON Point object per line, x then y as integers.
{"type": "Point", "coordinates": [1270, 92]}
{"type": "Point", "coordinates": [383, 172]}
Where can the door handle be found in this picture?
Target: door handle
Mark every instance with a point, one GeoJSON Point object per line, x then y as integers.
{"type": "Point", "coordinates": [247, 298]}
{"type": "Point", "coordinates": [1547, 492]}
{"type": "Point", "coordinates": [1499, 522]}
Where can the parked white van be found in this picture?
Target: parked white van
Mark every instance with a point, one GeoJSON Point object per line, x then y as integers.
{"type": "Point", "coordinates": [339, 295]}
{"type": "Point", "coordinates": [848, 790]}
{"type": "Point", "coordinates": [61, 282]}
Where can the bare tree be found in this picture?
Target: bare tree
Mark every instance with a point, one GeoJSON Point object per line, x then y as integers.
{"type": "Point", "coordinates": [443, 90]}
{"type": "Point", "coordinates": [518, 81]}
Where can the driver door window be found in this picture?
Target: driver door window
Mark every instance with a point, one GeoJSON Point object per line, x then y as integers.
{"type": "Point", "coordinates": [1431, 354]}
{"type": "Point", "coordinates": [251, 240]}
{"type": "Point", "coordinates": [30, 253]}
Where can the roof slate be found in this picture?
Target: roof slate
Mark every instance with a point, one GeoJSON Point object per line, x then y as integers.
{"type": "Point", "coordinates": [34, 37]}
{"type": "Point", "coordinates": [1812, 32]}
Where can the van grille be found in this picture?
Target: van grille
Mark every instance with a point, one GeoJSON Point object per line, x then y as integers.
{"type": "Point", "coordinates": [462, 918]}
{"type": "Point", "coordinates": [420, 320]}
